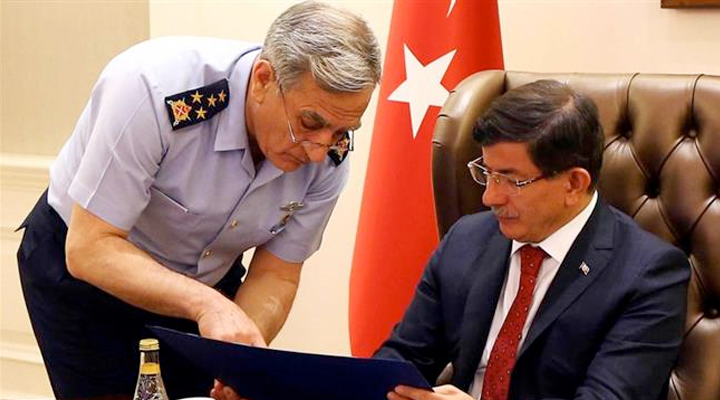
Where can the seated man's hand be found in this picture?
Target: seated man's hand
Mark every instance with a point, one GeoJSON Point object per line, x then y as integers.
{"type": "Point", "coordinates": [444, 392]}
{"type": "Point", "coordinates": [222, 392]}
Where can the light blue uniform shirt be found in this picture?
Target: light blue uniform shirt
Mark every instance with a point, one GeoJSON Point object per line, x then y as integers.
{"type": "Point", "coordinates": [192, 198]}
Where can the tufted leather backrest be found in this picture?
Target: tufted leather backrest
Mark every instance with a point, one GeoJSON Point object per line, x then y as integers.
{"type": "Point", "coordinates": [661, 166]}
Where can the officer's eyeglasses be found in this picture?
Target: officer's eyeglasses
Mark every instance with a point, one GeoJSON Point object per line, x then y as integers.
{"type": "Point", "coordinates": [341, 140]}
{"type": "Point", "coordinates": [506, 184]}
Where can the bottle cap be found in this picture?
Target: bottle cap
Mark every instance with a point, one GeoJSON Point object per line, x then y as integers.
{"type": "Point", "coordinates": [149, 344]}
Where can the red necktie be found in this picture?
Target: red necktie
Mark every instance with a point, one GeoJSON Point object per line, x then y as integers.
{"type": "Point", "coordinates": [496, 383]}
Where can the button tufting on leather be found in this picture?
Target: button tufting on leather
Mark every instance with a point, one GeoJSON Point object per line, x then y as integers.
{"type": "Point", "coordinates": [652, 187]}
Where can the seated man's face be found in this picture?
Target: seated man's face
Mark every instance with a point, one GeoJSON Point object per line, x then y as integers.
{"type": "Point", "coordinates": [529, 213]}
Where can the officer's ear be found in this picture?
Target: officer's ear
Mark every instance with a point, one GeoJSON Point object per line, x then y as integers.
{"type": "Point", "coordinates": [262, 80]}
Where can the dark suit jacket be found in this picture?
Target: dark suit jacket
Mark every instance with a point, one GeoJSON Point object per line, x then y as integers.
{"type": "Point", "coordinates": [611, 334]}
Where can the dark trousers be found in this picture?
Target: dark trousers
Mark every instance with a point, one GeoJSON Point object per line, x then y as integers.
{"type": "Point", "coordinates": [88, 338]}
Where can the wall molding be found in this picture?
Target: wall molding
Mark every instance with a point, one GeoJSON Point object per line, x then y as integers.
{"type": "Point", "coordinates": [29, 354]}
{"type": "Point", "coordinates": [7, 233]}
{"type": "Point", "coordinates": [22, 179]}
{"type": "Point", "coordinates": [22, 172]}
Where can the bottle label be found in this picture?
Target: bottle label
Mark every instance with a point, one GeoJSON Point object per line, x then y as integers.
{"type": "Point", "coordinates": [148, 388]}
{"type": "Point", "coordinates": [150, 368]}
{"type": "Point", "coordinates": [150, 385]}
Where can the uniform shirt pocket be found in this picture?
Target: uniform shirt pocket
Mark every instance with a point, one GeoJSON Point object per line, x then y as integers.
{"type": "Point", "coordinates": [167, 223]}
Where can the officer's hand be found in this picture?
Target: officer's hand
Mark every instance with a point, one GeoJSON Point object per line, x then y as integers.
{"type": "Point", "coordinates": [225, 320]}
{"type": "Point", "coordinates": [222, 392]}
{"type": "Point", "coordinates": [444, 392]}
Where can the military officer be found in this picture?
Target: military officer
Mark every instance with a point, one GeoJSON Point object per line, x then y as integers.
{"type": "Point", "coordinates": [189, 152]}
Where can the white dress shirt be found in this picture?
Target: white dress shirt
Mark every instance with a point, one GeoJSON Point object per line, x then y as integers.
{"type": "Point", "coordinates": [556, 246]}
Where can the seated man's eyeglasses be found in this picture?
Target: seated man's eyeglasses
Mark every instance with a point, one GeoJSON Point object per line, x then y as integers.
{"type": "Point", "coordinates": [482, 175]}
{"type": "Point", "coordinates": [341, 140]}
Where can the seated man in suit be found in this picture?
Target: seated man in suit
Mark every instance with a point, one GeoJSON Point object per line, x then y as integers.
{"type": "Point", "coordinates": [554, 294]}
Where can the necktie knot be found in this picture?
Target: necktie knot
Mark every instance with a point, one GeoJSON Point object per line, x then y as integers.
{"type": "Point", "coordinates": [531, 259]}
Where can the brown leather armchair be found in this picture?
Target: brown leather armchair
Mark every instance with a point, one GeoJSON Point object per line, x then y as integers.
{"type": "Point", "coordinates": [661, 166]}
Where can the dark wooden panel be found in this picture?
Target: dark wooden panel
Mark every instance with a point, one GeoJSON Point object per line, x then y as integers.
{"type": "Point", "coordinates": [689, 3]}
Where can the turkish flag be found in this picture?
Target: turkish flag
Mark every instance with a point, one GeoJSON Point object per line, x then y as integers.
{"type": "Point", "coordinates": [433, 45]}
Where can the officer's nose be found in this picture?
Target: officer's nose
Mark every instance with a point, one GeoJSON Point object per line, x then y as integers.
{"type": "Point", "coordinates": [327, 136]}
{"type": "Point", "coordinates": [316, 153]}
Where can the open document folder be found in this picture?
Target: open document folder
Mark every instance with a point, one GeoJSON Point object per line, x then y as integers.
{"type": "Point", "coordinates": [269, 374]}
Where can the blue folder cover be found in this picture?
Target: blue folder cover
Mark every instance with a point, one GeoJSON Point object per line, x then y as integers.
{"type": "Point", "coordinates": [269, 374]}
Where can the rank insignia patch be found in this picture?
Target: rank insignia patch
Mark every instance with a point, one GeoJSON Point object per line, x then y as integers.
{"type": "Point", "coordinates": [340, 150]}
{"type": "Point", "coordinates": [197, 105]}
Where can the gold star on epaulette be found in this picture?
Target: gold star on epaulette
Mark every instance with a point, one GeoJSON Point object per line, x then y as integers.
{"type": "Point", "coordinates": [200, 113]}
{"type": "Point", "coordinates": [196, 97]}
{"type": "Point", "coordinates": [211, 101]}
{"type": "Point", "coordinates": [182, 114]}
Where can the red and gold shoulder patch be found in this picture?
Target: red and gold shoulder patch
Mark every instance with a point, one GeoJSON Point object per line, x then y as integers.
{"type": "Point", "coordinates": [340, 150]}
{"type": "Point", "coordinates": [197, 105]}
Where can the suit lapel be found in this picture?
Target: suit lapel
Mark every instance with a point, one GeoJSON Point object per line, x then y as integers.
{"type": "Point", "coordinates": [480, 308]}
{"type": "Point", "coordinates": [593, 246]}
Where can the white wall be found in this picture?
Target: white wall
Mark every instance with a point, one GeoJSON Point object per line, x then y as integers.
{"type": "Point", "coordinates": [52, 52]}
{"type": "Point", "coordinates": [538, 35]}
{"type": "Point", "coordinates": [609, 36]}
{"type": "Point", "coordinates": [21, 369]}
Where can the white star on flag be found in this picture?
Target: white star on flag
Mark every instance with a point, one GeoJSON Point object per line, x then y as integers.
{"type": "Point", "coordinates": [452, 4]}
{"type": "Point", "coordinates": [422, 87]}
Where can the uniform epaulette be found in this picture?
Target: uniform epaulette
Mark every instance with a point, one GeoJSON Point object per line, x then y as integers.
{"type": "Point", "coordinates": [340, 150]}
{"type": "Point", "coordinates": [197, 105]}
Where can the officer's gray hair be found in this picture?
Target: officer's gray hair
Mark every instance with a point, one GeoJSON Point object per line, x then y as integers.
{"type": "Point", "coordinates": [337, 47]}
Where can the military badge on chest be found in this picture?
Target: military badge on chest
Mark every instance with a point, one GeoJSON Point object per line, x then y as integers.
{"type": "Point", "coordinates": [289, 209]}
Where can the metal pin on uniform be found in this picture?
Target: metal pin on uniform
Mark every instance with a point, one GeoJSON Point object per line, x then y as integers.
{"type": "Point", "coordinates": [292, 206]}
{"type": "Point", "coordinates": [584, 268]}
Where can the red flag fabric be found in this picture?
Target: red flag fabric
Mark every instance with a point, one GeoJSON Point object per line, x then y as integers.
{"type": "Point", "coordinates": [433, 45]}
